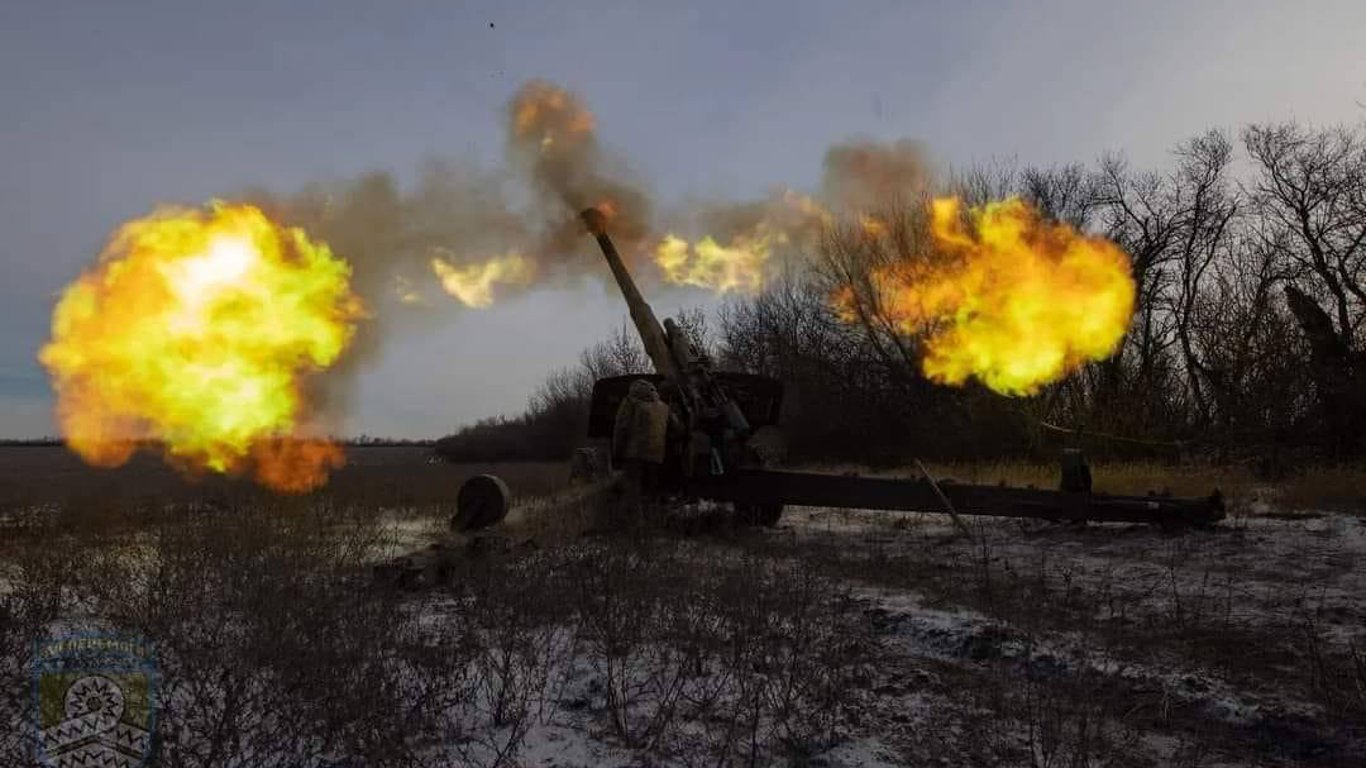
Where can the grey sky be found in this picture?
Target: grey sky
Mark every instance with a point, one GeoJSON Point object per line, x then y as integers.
{"type": "Point", "coordinates": [110, 108]}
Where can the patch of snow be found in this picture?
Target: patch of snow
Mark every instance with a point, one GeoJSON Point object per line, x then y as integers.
{"type": "Point", "coordinates": [867, 752]}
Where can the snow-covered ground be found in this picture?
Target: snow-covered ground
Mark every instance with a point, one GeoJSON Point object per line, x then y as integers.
{"type": "Point", "coordinates": [1035, 644]}
{"type": "Point", "coordinates": [841, 638]}
{"type": "Point", "coordinates": [1241, 645]}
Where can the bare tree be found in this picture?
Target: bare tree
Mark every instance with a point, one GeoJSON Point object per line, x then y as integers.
{"type": "Point", "coordinates": [1310, 189]}
{"type": "Point", "coordinates": [1137, 213]}
{"type": "Point", "coordinates": [1065, 193]}
{"type": "Point", "coordinates": [1205, 205]}
{"type": "Point", "coordinates": [1311, 186]}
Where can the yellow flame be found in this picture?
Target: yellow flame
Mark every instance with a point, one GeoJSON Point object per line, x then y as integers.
{"type": "Point", "coordinates": [196, 330]}
{"type": "Point", "coordinates": [1018, 302]}
{"type": "Point", "coordinates": [743, 263]}
{"type": "Point", "coordinates": [708, 264]}
{"type": "Point", "coordinates": [873, 227]}
{"type": "Point", "coordinates": [473, 284]}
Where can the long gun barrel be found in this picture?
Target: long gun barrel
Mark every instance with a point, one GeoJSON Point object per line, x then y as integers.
{"type": "Point", "coordinates": [647, 325]}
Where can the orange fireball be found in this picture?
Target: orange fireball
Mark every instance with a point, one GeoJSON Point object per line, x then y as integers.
{"type": "Point", "coordinates": [1015, 301]}
{"type": "Point", "coordinates": [197, 330]}
{"type": "Point", "coordinates": [553, 118]}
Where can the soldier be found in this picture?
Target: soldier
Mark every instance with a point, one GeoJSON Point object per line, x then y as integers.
{"type": "Point", "coordinates": [638, 438]}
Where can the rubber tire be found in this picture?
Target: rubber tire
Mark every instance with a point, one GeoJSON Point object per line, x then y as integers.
{"type": "Point", "coordinates": [483, 501]}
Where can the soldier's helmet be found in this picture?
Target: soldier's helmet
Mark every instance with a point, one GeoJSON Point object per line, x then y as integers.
{"type": "Point", "coordinates": [643, 390]}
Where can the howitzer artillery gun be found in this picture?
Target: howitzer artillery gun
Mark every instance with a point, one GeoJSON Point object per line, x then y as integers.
{"type": "Point", "coordinates": [722, 440]}
{"type": "Point", "coordinates": [718, 422]}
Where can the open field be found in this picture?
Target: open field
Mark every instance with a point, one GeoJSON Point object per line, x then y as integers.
{"type": "Point", "coordinates": [840, 638]}
{"type": "Point", "coordinates": [380, 476]}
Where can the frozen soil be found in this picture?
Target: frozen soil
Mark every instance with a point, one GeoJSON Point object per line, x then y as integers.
{"type": "Point", "coordinates": [1037, 644]}
{"type": "Point", "coordinates": [840, 638]}
{"type": "Point", "coordinates": [1106, 644]}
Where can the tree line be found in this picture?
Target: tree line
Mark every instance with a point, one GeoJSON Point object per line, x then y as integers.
{"type": "Point", "coordinates": [1249, 256]}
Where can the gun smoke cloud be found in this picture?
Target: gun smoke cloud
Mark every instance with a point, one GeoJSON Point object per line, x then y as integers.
{"type": "Point", "coordinates": [479, 235]}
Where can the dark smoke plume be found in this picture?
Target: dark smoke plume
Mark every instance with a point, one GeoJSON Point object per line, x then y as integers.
{"type": "Point", "coordinates": [466, 216]}
{"type": "Point", "coordinates": [866, 176]}
{"type": "Point", "coordinates": [552, 138]}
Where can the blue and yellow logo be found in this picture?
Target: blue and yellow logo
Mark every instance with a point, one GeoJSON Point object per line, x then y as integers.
{"type": "Point", "coordinates": [94, 697]}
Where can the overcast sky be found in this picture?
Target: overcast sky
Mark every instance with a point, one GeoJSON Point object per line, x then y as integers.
{"type": "Point", "coordinates": [110, 108]}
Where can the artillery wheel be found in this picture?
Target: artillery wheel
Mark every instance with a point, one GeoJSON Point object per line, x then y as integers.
{"type": "Point", "coordinates": [766, 515]}
{"type": "Point", "coordinates": [483, 501]}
